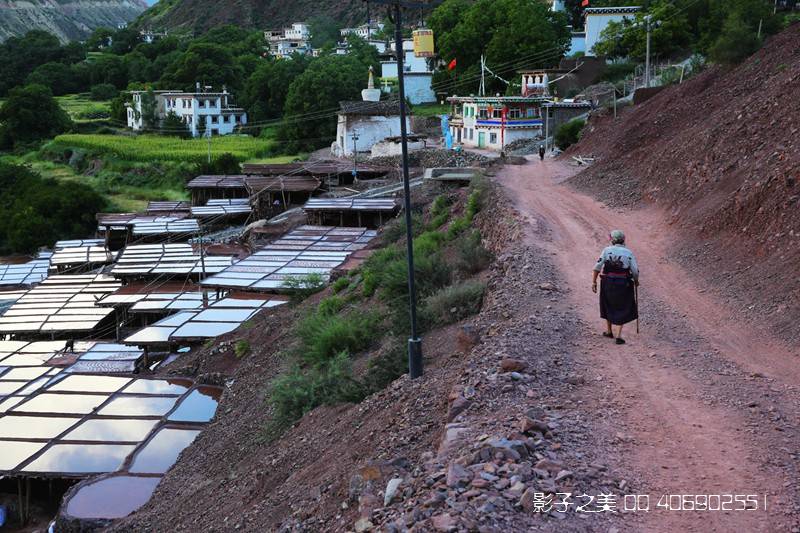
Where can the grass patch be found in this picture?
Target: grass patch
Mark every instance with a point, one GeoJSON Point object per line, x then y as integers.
{"type": "Point", "coordinates": [473, 257]}
{"type": "Point", "coordinates": [241, 348]}
{"type": "Point", "coordinates": [297, 392]}
{"type": "Point", "coordinates": [162, 148]}
{"type": "Point", "coordinates": [453, 303]}
{"type": "Point", "coordinates": [81, 108]}
{"type": "Point", "coordinates": [431, 110]}
{"type": "Point", "coordinates": [475, 201]}
{"type": "Point", "coordinates": [304, 286]}
{"type": "Point", "coordinates": [440, 212]}
{"type": "Point", "coordinates": [340, 284]}
{"type": "Point", "coordinates": [395, 230]}
{"type": "Point", "coordinates": [327, 332]}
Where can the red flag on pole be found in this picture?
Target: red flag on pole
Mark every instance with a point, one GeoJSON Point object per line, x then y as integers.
{"type": "Point", "coordinates": [452, 65]}
{"type": "Point", "coordinates": [585, 3]}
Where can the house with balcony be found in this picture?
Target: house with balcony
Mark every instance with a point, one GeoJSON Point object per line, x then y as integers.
{"type": "Point", "coordinates": [204, 112]}
{"type": "Point", "coordinates": [492, 122]}
{"type": "Point", "coordinates": [295, 39]}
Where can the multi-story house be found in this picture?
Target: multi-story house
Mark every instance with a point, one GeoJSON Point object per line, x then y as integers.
{"type": "Point", "coordinates": [492, 122]}
{"type": "Point", "coordinates": [203, 112]}
{"type": "Point", "coordinates": [295, 39]}
{"type": "Point", "coordinates": [365, 31]}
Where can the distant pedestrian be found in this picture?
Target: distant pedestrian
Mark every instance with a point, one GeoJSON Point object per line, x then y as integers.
{"type": "Point", "coordinates": [619, 278]}
{"type": "Point", "coordinates": [541, 152]}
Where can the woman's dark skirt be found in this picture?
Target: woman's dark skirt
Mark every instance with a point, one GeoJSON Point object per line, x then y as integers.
{"type": "Point", "coordinates": [617, 300]}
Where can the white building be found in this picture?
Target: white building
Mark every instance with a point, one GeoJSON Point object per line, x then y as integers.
{"type": "Point", "coordinates": [371, 120]}
{"type": "Point", "coordinates": [365, 31]}
{"type": "Point", "coordinates": [150, 36]}
{"type": "Point", "coordinates": [493, 122]}
{"type": "Point", "coordinates": [598, 19]}
{"type": "Point", "coordinates": [417, 72]}
{"type": "Point", "coordinates": [202, 112]}
{"type": "Point", "coordinates": [295, 39]}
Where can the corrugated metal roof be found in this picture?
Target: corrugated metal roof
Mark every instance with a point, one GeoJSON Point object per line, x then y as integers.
{"type": "Point", "coordinates": [60, 304]}
{"type": "Point", "coordinates": [351, 204]}
{"type": "Point", "coordinates": [166, 259]}
{"type": "Point", "coordinates": [24, 274]}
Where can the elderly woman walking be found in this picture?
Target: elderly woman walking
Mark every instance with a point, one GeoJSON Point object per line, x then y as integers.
{"type": "Point", "coordinates": [619, 277]}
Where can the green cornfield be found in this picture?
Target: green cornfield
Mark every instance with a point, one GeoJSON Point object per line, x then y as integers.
{"type": "Point", "coordinates": [158, 148]}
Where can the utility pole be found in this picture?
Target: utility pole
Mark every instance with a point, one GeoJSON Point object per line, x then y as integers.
{"type": "Point", "coordinates": [482, 89]}
{"type": "Point", "coordinates": [546, 127]}
{"type": "Point", "coordinates": [647, 57]}
{"type": "Point", "coordinates": [208, 136]}
{"type": "Point", "coordinates": [355, 138]}
{"type": "Point", "coordinates": [414, 343]}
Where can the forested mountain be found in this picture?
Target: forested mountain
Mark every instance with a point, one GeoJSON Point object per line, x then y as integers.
{"type": "Point", "coordinates": [200, 15]}
{"type": "Point", "coordinates": [66, 19]}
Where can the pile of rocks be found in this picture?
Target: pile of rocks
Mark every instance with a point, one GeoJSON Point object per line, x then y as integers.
{"type": "Point", "coordinates": [433, 158]}
{"type": "Point", "coordinates": [524, 147]}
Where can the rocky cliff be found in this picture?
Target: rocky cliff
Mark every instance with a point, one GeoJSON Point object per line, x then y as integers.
{"type": "Point", "coordinates": [67, 19]}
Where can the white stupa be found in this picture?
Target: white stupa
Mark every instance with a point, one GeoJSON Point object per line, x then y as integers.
{"type": "Point", "coordinates": [371, 94]}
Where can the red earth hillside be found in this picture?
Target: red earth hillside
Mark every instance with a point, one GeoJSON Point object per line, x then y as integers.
{"type": "Point", "coordinates": [720, 153]}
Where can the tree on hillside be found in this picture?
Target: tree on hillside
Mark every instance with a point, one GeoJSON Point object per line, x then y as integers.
{"type": "Point", "coordinates": [364, 52]}
{"type": "Point", "coordinates": [58, 77]}
{"type": "Point", "coordinates": [100, 38]}
{"type": "Point", "coordinates": [207, 63]}
{"type": "Point", "coordinates": [37, 212]}
{"type": "Point", "coordinates": [137, 67]}
{"type": "Point", "coordinates": [19, 56]}
{"type": "Point", "coordinates": [317, 92]}
{"type": "Point", "coordinates": [324, 30]}
{"type": "Point", "coordinates": [149, 113]}
{"type": "Point", "coordinates": [175, 126]}
{"type": "Point", "coordinates": [125, 40]}
{"type": "Point", "coordinates": [31, 114]}
{"type": "Point", "coordinates": [680, 26]}
{"type": "Point", "coordinates": [265, 91]}
{"type": "Point", "coordinates": [109, 68]}
{"type": "Point", "coordinates": [512, 34]}
{"type": "Point", "coordinates": [735, 42]}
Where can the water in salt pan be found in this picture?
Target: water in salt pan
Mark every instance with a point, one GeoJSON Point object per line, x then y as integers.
{"type": "Point", "coordinates": [112, 497]}
{"type": "Point", "coordinates": [138, 406]}
{"type": "Point", "coordinates": [162, 451]}
{"type": "Point", "coordinates": [81, 458]}
{"type": "Point", "coordinates": [199, 406]}
{"type": "Point", "coordinates": [130, 430]}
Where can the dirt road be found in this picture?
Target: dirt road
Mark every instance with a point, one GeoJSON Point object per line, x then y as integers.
{"type": "Point", "coordinates": [710, 405]}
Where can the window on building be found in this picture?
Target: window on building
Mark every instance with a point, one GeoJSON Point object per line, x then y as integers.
{"type": "Point", "coordinates": [483, 113]}
{"type": "Point", "coordinates": [214, 119]}
{"type": "Point", "coordinates": [492, 138]}
{"type": "Point", "coordinates": [533, 112]}
{"type": "Point", "coordinates": [214, 131]}
{"type": "Point", "coordinates": [497, 113]}
{"type": "Point", "coordinates": [514, 113]}
{"type": "Point", "coordinates": [227, 119]}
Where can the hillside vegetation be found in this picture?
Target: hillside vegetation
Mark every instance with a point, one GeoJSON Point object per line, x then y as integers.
{"type": "Point", "coordinates": [197, 16]}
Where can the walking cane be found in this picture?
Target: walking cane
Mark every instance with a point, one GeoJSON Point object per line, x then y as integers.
{"type": "Point", "coordinates": [636, 299]}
